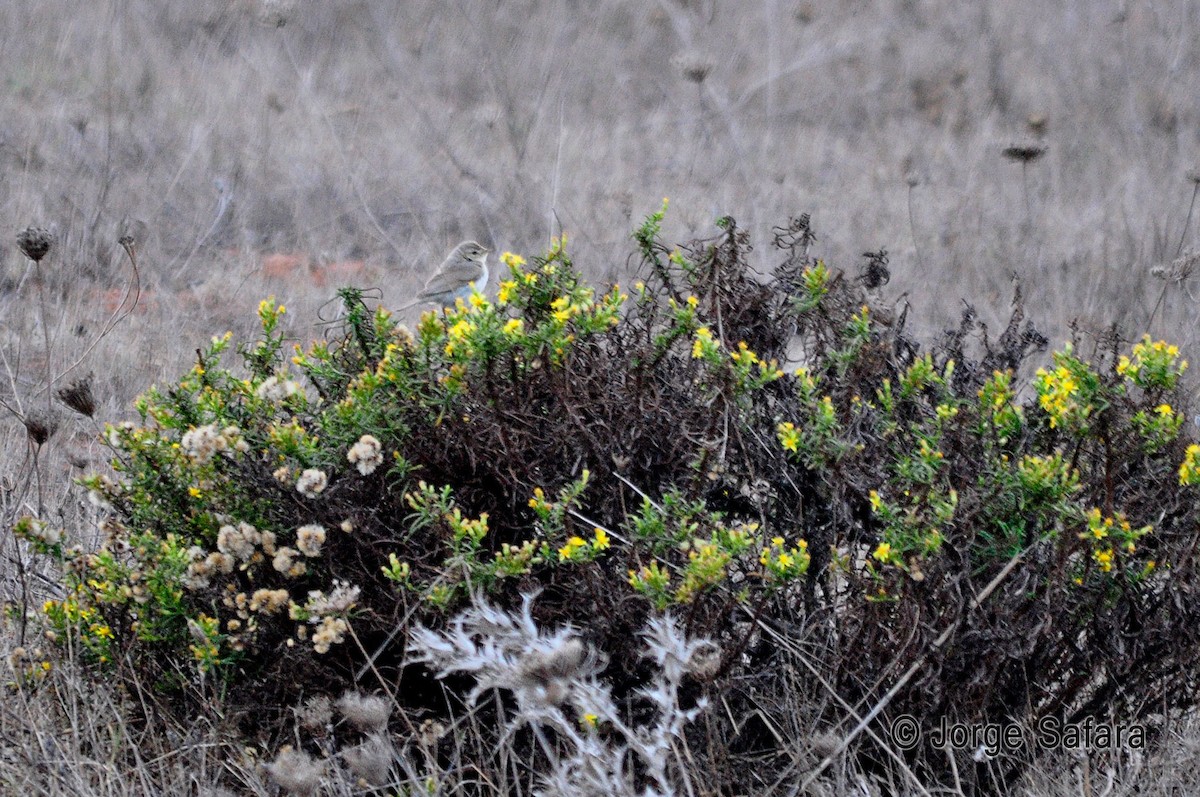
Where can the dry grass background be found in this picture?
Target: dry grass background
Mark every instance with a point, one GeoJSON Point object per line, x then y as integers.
{"type": "Point", "coordinates": [358, 141]}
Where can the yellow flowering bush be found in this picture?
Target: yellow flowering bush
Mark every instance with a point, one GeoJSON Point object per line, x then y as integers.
{"type": "Point", "coordinates": [1189, 470]}
{"type": "Point", "coordinates": [755, 454]}
{"type": "Point", "coordinates": [1002, 417]}
{"type": "Point", "coordinates": [1158, 427]}
{"type": "Point", "coordinates": [577, 549]}
{"type": "Point", "coordinates": [1070, 393]}
{"type": "Point", "coordinates": [1113, 541]}
{"type": "Point", "coordinates": [815, 286]}
{"type": "Point", "coordinates": [1152, 365]}
{"type": "Point", "coordinates": [783, 564]}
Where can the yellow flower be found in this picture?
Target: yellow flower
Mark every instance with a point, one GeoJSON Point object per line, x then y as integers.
{"type": "Point", "coordinates": [194, 492]}
{"type": "Point", "coordinates": [539, 501]}
{"type": "Point", "coordinates": [883, 552]}
{"type": "Point", "coordinates": [1189, 470]}
{"type": "Point", "coordinates": [514, 326]}
{"type": "Point", "coordinates": [506, 291]}
{"type": "Point", "coordinates": [589, 720]}
{"type": "Point", "coordinates": [601, 542]}
{"type": "Point", "coordinates": [789, 438]}
{"type": "Point", "coordinates": [568, 551]}
{"type": "Point", "coordinates": [512, 260]}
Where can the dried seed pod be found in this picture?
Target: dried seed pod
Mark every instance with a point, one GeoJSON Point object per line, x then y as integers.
{"type": "Point", "coordinates": [35, 242]}
{"type": "Point", "coordinates": [876, 273]}
{"type": "Point", "coordinates": [78, 396]}
{"type": "Point", "coordinates": [40, 426]}
{"type": "Point", "coordinates": [693, 66]}
{"type": "Point", "coordinates": [1024, 153]}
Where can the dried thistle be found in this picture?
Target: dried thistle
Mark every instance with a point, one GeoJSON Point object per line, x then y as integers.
{"type": "Point", "coordinates": [371, 761]}
{"type": "Point", "coordinates": [706, 660]}
{"type": "Point", "coordinates": [78, 396]}
{"type": "Point", "coordinates": [556, 681]}
{"type": "Point", "coordinates": [215, 791]}
{"type": "Point", "coordinates": [365, 712]}
{"type": "Point", "coordinates": [315, 714]}
{"type": "Point", "coordinates": [1185, 265]}
{"type": "Point", "coordinates": [539, 668]}
{"type": "Point", "coordinates": [563, 661]}
{"type": "Point", "coordinates": [1179, 269]}
{"type": "Point", "coordinates": [296, 772]}
{"type": "Point", "coordinates": [429, 732]}
{"type": "Point", "coordinates": [40, 426]}
{"type": "Point", "coordinates": [35, 242]}
{"type": "Point", "coordinates": [1024, 153]}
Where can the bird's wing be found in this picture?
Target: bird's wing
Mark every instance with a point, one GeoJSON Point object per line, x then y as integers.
{"type": "Point", "coordinates": [452, 276]}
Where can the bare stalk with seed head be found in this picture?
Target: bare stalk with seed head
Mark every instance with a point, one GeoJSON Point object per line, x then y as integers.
{"type": "Point", "coordinates": [35, 243]}
{"type": "Point", "coordinates": [1025, 154]}
{"type": "Point", "coordinates": [1185, 262]}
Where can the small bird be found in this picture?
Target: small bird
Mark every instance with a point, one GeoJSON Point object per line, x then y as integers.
{"type": "Point", "coordinates": [463, 271]}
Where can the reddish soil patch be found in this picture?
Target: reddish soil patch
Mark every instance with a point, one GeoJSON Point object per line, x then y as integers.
{"type": "Point", "coordinates": [285, 265]}
{"type": "Point", "coordinates": [110, 299]}
{"type": "Point", "coordinates": [343, 272]}
{"type": "Point", "coordinates": [298, 266]}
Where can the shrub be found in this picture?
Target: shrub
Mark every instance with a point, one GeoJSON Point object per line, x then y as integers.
{"type": "Point", "coordinates": [278, 526]}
